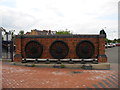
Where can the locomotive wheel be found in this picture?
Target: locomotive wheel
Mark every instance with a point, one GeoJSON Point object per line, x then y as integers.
{"type": "Point", "coordinates": [33, 49]}
{"type": "Point", "coordinates": [59, 49]}
{"type": "Point", "coordinates": [85, 49]}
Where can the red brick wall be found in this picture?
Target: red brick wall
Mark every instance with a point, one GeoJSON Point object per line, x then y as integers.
{"type": "Point", "coordinates": [102, 57]}
{"type": "Point", "coordinates": [72, 42]}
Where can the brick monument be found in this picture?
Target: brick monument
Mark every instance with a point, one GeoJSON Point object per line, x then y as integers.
{"type": "Point", "coordinates": [60, 47]}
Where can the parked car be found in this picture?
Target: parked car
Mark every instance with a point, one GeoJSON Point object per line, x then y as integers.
{"type": "Point", "coordinates": [109, 45]}
{"type": "Point", "coordinates": [117, 44]}
{"type": "Point", "coordinates": [113, 44]}
{"type": "Point", "coordinates": [105, 45]}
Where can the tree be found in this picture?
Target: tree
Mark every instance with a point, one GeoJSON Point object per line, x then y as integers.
{"type": "Point", "coordinates": [118, 40]}
{"type": "Point", "coordinates": [21, 32]}
{"type": "Point", "coordinates": [108, 41]}
{"type": "Point", "coordinates": [114, 41]}
{"type": "Point", "coordinates": [103, 32]}
{"type": "Point", "coordinates": [2, 38]}
{"type": "Point", "coordinates": [63, 32]}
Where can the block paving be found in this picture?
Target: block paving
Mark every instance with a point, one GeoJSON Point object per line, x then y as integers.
{"type": "Point", "coordinates": [36, 77]}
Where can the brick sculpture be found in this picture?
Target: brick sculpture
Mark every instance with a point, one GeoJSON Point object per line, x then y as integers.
{"type": "Point", "coordinates": [60, 46]}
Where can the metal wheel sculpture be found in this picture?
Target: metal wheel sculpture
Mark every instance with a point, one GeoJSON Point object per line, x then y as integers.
{"type": "Point", "coordinates": [85, 49]}
{"type": "Point", "coordinates": [59, 49]}
{"type": "Point", "coordinates": [33, 49]}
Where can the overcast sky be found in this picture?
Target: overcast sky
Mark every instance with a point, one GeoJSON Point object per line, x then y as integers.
{"type": "Point", "coordinates": [78, 16]}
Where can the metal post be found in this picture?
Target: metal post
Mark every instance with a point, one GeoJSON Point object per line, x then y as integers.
{"type": "Point", "coordinates": [11, 45]}
{"type": "Point", "coordinates": [0, 45]}
{"type": "Point", "coordinates": [0, 58]}
{"type": "Point", "coordinates": [11, 51]}
{"type": "Point", "coordinates": [7, 44]}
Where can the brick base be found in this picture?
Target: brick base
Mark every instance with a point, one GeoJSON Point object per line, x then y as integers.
{"type": "Point", "coordinates": [17, 58]}
{"type": "Point", "coordinates": [71, 40]}
{"type": "Point", "coordinates": [102, 58]}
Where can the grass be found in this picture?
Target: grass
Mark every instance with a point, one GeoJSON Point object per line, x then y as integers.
{"type": "Point", "coordinates": [62, 66]}
{"type": "Point", "coordinates": [76, 72]}
{"type": "Point", "coordinates": [14, 63]}
{"type": "Point", "coordinates": [33, 65]}
{"type": "Point", "coordinates": [3, 60]}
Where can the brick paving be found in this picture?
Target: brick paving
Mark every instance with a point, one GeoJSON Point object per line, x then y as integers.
{"type": "Point", "coordinates": [34, 77]}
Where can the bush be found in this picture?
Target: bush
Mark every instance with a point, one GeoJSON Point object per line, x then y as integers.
{"type": "Point", "coordinates": [14, 63]}
{"type": "Point", "coordinates": [33, 65]}
{"type": "Point", "coordinates": [75, 72]}
{"type": "Point", "coordinates": [62, 66]}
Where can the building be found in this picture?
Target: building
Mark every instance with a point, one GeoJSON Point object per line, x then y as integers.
{"type": "Point", "coordinates": [41, 32]}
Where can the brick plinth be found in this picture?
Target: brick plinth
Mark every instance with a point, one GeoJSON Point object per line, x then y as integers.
{"type": "Point", "coordinates": [102, 58]}
{"type": "Point", "coordinates": [71, 40]}
{"type": "Point", "coordinates": [101, 51]}
{"type": "Point", "coordinates": [17, 58]}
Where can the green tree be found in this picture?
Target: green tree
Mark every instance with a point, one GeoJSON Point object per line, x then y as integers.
{"type": "Point", "coordinates": [21, 32]}
{"type": "Point", "coordinates": [118, 40]}
{"type": "Point", "coordinates": [2, 38]}
{"type": "Point", "coordinates": [114, 41]}
{"type": "Point", "coordinates": [108, 41]}
{"type": "Point", "coordinates": [63, 32]}
{"type": "Point", "coordinates": [12, 33]}
{"type": "Point", "coordinates": [103, 32]}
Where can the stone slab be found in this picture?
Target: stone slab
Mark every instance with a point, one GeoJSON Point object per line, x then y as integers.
{"type": "Point", "coordinates": [99, 66]}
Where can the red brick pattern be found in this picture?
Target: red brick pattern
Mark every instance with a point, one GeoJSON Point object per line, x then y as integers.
{"type": "Point", "coordinates": [72, 42]}
{"type": "Point", "coordinates": [32, 77]}
{"type": "Point", "coordinates": [17, 59]}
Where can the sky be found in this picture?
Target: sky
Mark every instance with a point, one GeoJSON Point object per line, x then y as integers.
{"type": "Point", "coordinates": [78, 16]}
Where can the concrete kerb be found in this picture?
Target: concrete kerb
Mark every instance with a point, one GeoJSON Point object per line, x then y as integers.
{"type": "Point", "coordinates": [99, 66]}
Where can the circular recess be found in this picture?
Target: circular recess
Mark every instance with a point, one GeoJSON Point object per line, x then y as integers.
{"type": "Point", "coordinates": [33, 49]}
{"type": "Point", "coordinates": [85, 49]}
{"type": "Point", "coordinates": [59, 49]}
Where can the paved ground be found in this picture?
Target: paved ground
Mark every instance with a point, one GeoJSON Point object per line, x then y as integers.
{"type": "Point", "coordinates": [33, 77]}
{"type": "Point", "coordinates": [112, 54]}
